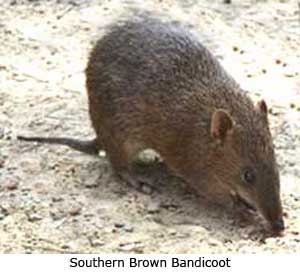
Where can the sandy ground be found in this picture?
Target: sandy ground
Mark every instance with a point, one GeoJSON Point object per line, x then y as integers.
{"type": "Point", "coordinates": [55, 200]}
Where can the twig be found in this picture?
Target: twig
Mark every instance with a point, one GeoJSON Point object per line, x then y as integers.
{"type": "Point", "coordinates": [64, 12]}
{"type": "Point", "coordinates": [28, 75]}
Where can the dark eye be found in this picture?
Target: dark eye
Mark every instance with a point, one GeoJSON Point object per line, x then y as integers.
{"type": "Point", "coordinates": [249, 176]}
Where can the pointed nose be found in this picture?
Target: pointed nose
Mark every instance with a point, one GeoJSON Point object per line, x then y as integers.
{"type": "Point", "coordinates": [279, 225]}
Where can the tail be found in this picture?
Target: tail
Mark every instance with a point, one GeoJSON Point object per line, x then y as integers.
{"type": "Point", "coordinates": [85, 146]}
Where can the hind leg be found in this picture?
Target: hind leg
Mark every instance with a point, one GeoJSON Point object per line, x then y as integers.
{"type": "Point", "coordinates": [122, 159]}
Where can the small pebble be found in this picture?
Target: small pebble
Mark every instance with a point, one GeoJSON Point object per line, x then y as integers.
{"type": "Point", "coordinates": [129, 229]}
{"type": "Point", "coordinates": [57, 199]}
{"type": "Point", "coordinates": [135, 247]}
{"type": "Point", "coordinates": [2, 161]}
{"type": "Point", "coordinates": [289, 75]}
{"type": "Point", "coordinates": [10, 185]}
{"type": "Point", "coordinates": [92, 183]}
{"type": "Point", "coordinates": [34, 217]}
{"type": "Point", "coordinates": [65, 246]}
{"type": "Point", "coordinates": [2, 133]}
{"type": "Point", "coordinates": [56, 215]}
{"type": "Point", "coordinates": [3, 213]}
{"type": "Point", "coordinates": [119, 225]}
{"type": "Point", "coordinates": [153, 207]}
{"type": "Point", "coordinates": [297, 240]}
{"type": "Point", "coordinates": [169, 206]}
{"type": "Point", "coordinates": [213, 242]}
{"type": "Point", "coordinates": [270, 241]}
{"type": "Point", "coordinates": [96, 242]}
{"type": "Point", "coordinates": [172, 232]}
{"type": "Point", "coordinates": [75, 211]}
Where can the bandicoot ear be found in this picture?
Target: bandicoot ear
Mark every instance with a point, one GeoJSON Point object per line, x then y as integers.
{"type": "Point", "coordinates": [221, 124]}
{"type": "Point", "coordinates": [262, 107]}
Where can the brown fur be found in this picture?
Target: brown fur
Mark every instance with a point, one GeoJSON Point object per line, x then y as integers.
{"type": "Point", "coordinates": [152, 84]}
